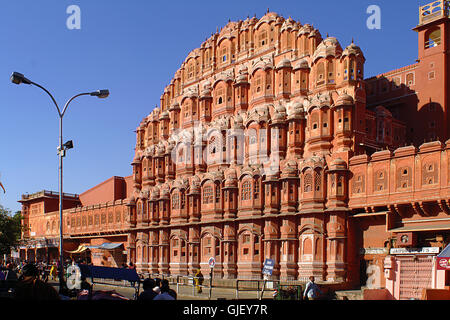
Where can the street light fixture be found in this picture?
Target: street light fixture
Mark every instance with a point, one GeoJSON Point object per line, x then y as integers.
{"type": "Point", "coordinates": [19, 78]}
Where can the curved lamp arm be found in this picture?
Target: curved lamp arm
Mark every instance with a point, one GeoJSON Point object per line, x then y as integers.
{"type": "Point", "coordinates": [53, 99]}
{"type": "Point", "coordinates": [70, 100]}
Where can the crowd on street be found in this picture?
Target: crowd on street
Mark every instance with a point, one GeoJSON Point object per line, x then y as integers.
{"type": "Point", "coordinates": [30, 281]}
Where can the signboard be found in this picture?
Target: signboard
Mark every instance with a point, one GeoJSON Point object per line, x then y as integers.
{"type": "Point", "coordinates": [429, 250]}
{"type": "Point", "coordinates": [268, 267]}
{"type": "Point", "coordinates": [443, 263]}
{"type": "Point", "coordinates": [364, 251]}
{"type": "Point", "coordinates": [212, 262]}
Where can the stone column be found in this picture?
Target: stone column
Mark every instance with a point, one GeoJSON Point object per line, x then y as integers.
{"type": "Point", "coordinates": [154, 251]}
{"type": "Point", "coordinates": [229, 252]}
{"type": "Point", "coordinates": [288, 256]}
{"type": "Point", "coordinates": [194, 250]}
{"type": "Point", "coordinates": [164, 254]}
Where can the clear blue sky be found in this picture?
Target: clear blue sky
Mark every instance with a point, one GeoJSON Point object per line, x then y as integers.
{"type": "Point", "coordinates": [133, 48]}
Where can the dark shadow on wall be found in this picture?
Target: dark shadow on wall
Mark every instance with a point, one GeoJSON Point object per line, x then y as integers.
{"type": "Point", "coordinates": [424, 121]}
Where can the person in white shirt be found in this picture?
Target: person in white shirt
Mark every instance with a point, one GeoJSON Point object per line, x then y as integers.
{"type": "Point", "coordinates": [312, 290]}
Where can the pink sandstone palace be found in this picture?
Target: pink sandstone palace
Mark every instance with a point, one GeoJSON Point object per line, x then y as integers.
{"type": "Point", "coordinates": [270, 143]}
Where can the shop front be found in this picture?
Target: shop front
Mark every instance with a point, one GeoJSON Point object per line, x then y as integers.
{"type": "Point", "coordinates": [410, 270]}
{"type": "Point", "coordinates": [413, 264]}
{"type": "Point", "coordinates": [39, 250]}
{"type": "Point", "coordinates": [108, 254]}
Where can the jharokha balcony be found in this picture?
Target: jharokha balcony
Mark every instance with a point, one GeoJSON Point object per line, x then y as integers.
{"type": "Point", "coordinates": [434, 11]}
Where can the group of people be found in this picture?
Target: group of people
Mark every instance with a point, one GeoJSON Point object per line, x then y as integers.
{"type": "Point", "coordinates": [23, 282]}
{"type": "Point", "coordinates": [29, 283]}
{"type": "Point", "coordinates": [45, 269]}
{"type": "Point", "coordinates": [157, 289]}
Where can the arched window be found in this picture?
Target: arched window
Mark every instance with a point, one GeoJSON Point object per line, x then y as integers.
{"type": "Point", "coordinates": [307, 246]}
{"type": "Point", "coordinates": [308, 183]}
{"type": "Point", "coordinates": [262, 38]}
{"type": "Point", "coordinates": [223, 54]}
{"type": "Point", "coordinates": [176, 201]}
{"type": "Point", "coordinates": [331, 72]}
{"type": "Point", "coordinates": [190, 71]}
{"type": "Point", "coordinates": [256, 189]}
{"type": "Point", "coordinates": [340, 186]}
{"type": "Point", "coordinates": [212, 145]}
{"type": "Point", "coordinates": [217, 195]}
{"type": "Point", "coordinates": [317, 180]}
{"type": "Point", "coordinates": [320, 74]}
{"type": "Point", "coordinates": [207, 246]}
{"type": "Point", "coordinates": [257, 87]}
{"type": "Point", "coordinates": [220, 92]}
{"type": "Point", "coordinates": [207, 195]}
{"type": "Point", "coordinates": [410, 79]}
{"type": "Point", "coordinates": [180, 156]}
{"type": "Point", "coordinates": [246, 190]}
{"type": "Point", "coordinates": [433, 38]}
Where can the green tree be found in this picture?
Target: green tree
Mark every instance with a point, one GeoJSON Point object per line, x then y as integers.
{"type": "Point", "coordinates": [10, 230]}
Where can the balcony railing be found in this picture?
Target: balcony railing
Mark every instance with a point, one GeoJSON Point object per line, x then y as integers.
{"type": "Point", "coordinates": [433, 11]}
{"type": "Point", "coordinates": [47, 193]}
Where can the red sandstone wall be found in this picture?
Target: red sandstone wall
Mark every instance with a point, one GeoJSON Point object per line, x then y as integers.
{"type": "Point", "coordinates": [128, 186]}
{"type": "Point", "coordinates": [107, 191]}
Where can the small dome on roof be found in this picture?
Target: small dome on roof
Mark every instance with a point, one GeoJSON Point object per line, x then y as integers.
{"type": "Point", "coordinates": [285, 63]}
{"type": "Point", "coordinates": [301, 64]}
{"type": "Point", "coordinates": [338, 163]}
{"type": "Point", "coordinates": [328, 47]}
{"type": "Point", "coordinates": [344, 100]}
{"type": "Point", "coordinates": [352, 49]}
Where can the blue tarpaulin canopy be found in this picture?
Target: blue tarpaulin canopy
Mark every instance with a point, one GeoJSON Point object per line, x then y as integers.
{"type": "Point", "coordinates": [110, 246]}
{"type": "Point", "coordinates": [445, 253]}
{"type": "Point", "coordinates": [108, 273]}
{"type": "Point", "coordinates": [106, 246]}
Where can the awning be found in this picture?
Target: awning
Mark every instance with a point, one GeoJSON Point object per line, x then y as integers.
{"type": "Point", "coordinates": [445, 253]}
{"type": "Point", "coordinates": [106, 246]}
{"type": "Point", "coordinates": [80, 249]}
{"type": "Point", "coordinates": [421, 228]}
{"type": "Point", "coordinates": [109, 273]}
{"type": "Point", "coordinates": [369, 214]}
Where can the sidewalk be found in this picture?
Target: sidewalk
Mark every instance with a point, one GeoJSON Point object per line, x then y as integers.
{"type": "Point", "coordinates": [185, 292]}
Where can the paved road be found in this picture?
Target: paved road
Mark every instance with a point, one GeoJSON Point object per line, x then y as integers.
{"type": "Point", "coordinates": [186, 292]}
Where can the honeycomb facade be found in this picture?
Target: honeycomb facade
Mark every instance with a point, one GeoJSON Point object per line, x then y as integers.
{"type": "Point", "coordinates": [247, 156]}
{"type": "Point", "coordinates": [270, 143]}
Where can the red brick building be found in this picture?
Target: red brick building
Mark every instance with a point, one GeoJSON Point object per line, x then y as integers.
{"type": "Point", "coordinates": [270, 143]}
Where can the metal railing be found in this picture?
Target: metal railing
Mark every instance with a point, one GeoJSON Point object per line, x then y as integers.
{"type": "Point", "coordinates": [232, 288]}
{"type": "Point", "coordinates": [259, 287]}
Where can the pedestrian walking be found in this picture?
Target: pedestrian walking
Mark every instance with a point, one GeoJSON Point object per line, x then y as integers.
{"type": "Point", "coordinates": [312, 290]}
{"type": "Point", "coordinates": [132, 266]}
{"type": "Point", "coordinates": [198, 280]}
{"type": "Point", "coordinates": [53, 271]}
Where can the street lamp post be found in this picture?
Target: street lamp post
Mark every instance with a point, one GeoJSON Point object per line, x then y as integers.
{"type": "Point", "coordinates": [19, 78]}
